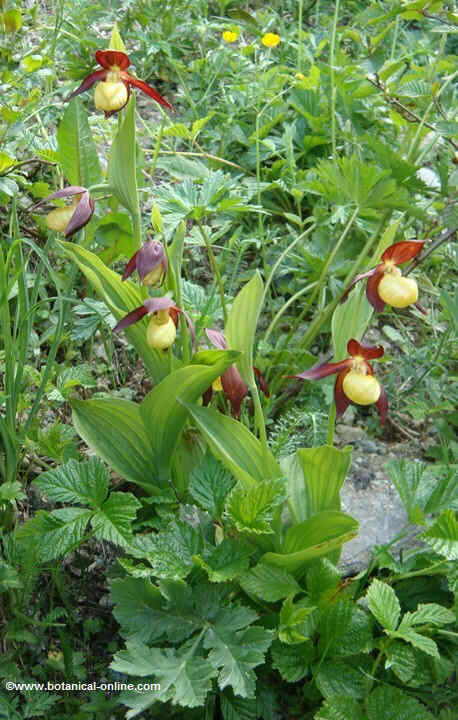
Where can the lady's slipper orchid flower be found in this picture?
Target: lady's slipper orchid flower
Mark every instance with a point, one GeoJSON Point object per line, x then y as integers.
{"type": "Point", "coordinates": [113, 83]}
{"type": "Point", "coordinates": [355, 382]}
{"type": "Point", "coordinates": [386, 283]}
{"type": "Point", "coordinates": [73, 217]}
{"type": "Point", "coordinates": [231, 382]}
{"type": "Point", "coordinates": [150, 262]}
{"type": "Point", "coordinates": [161, 331]}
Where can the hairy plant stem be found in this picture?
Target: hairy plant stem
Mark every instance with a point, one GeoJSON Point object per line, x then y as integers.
{"type": "Point", "coordinates": [214, 267]}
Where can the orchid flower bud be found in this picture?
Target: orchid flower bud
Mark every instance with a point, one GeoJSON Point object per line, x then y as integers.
{"type": "Point", "coordinates": [59, 218]}
{"type": "Point", "coordinates": [73, 217]}
{"type": "Point", "coordinates": [150, 262]}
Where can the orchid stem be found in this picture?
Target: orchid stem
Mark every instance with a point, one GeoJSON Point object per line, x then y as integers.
{"type": "Point", "coordinates": [333, 79]}
{"type": "Point", "coordinates": [331, 424]}
{"type": "Point", "coordinates": [214, 267]}
{"type": "Point", "coordinates": [259, 417]}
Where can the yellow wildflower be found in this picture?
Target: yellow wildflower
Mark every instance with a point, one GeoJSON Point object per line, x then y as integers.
{"type": "Point", "coordinates": [230, 36]}
{"type": "Point", "coordinates": [270, 40]}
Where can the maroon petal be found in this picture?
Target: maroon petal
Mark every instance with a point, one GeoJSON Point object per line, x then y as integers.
{"type": "Point", "coordinates": [216, 338]}
{"type": "Point", "coordinates": [111, 58]}
{"type": "Point", "coordinates": [158, 303]}
{"type": "Point", "coordinates": [261, 381]}
{"type": "Point", "coordinates": [355, 280]}
{"type": "Point", "coordinates": [83, 213]}
{"type": "Point", "coordinates": [368, 352]}
{"type": "Point", "coordinates": [207, 396]}
{"type": "Point", "coordinates": [402, 251]}
{"type": "Point", "coordinates": [130, 267]}
{"type": "Point", "coordinates": [87, 83]}
{"type": "Point", "coordinates": [131, 318]}
{"type": "Point", "coordinates": [68, 191]}
{"type": "Point", "coordinates": [372, 292]}
{"type": "Point", "coordinates": [149, 257]}
{"type": "Point", "coordinates": [234, 388]}
{"type": "Point", "coordinates": [340, 399]}
{"type": "Point", "coordinates": [147, 89]}
{"type": "Point", "coordinates": [324, 369]}
{"type": "Point", "coordinates": [382, 406]}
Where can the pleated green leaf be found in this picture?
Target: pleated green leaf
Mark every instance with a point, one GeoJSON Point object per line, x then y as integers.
{"type": "Point", "coordinates": [241, 324]}
{"type": "Point", "coordinates": [76, 149]}
{"type": "Point", "coordinates": [123, 167]}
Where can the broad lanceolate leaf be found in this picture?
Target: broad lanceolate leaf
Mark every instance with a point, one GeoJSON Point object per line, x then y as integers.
{"type": "Point", "coordinates": [121, 297]}
{"type": "Point", "coordinates": [241, 325]}
{"type": "Point", "coordinates": [269, 583]}
{"type": "Point", "coordinates": [123, 170]}
{"type": "Point", "coordinates": [321, 534]}
{"type": "Point", "coordinates": [443, 535]}
{"type": "Point", "coordinates": [56, 533]}
{"type": "Point", "coordinates": [315, 478]}
{"type": "Point", "coordinates": [76, 149]}
{"type": "Point", "coordinates": [164, 410]}
{"type": "Point", "coordinates": [113, 521]}
{"type": "Point", "coordinates": [252, 508]}
{"type": "Point", "coordinates": [103, 424]}
{"type": "Point", "coordinates": [350, 320]}
{"type": "Point", "coordinates": [85, 483]}
{"type": "Point", "coordinates": [384, 604]}
{"type": "Point", "coordinates": [235, 446]}
{"type": "Point", "coordinates": [185, 677]}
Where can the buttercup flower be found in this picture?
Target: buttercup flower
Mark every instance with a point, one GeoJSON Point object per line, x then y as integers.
{"type": "Point", "coordinates": [386, 283]}
{"type": "Point", "coordinates": [150, 262]}
{"type": "Point", "coordinates": [113, 83]}
{"type": "Point", "coordinates": [162, 330]}
{"type": "Point", "coordinates": [73, 217]}
{"type": "Point", "coordinates": [355, 382]}
{"type": "Point", "coordinates": [230, 36]}
{"type": "Point", "coordinates": [231, 382]}
{"type": "Point", "coordinates": [270, 40]}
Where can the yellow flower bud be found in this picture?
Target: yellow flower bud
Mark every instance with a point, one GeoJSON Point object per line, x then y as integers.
{"type": "Point", "coordinates": [230, 36]}
{"type": "Point", "coordinates": [396, 290]}
{"type": "Point", "coordinates": [270, 40]}
{"type": "Point", "coordinates": [110, 96]}
{"type": "Point", "coordinates": [361, 389]}
{"type": "Point", "coordinates": [217, 385]}
{"type": "Point", "coordinates": [59, 218]}
{"type": "Point", "coordinates": [161, 333]}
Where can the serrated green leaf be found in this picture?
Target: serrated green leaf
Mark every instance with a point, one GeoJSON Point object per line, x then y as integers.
{"type": "Point", "coordinates": [237, 708]}
{"type": "Point", "coordinates": [294, 624]}
{"type": "Point", "coordinates": [336, 678]}
{"type": "Point", "coordinates": [385, 698]}
{"type": "Point", "coordinates": [344, 629]}
{"type": "Point", "coordinates": [235, 446]}
{"type": "Point", "coordinates": [113, 522]}
{"type": "Point", "coordinates": [251, 508]}
{"type": "Point", "coordinates": [77, 153]}
{"type": "Point", "coordinates": [419, 641]}
{"type": "Point", "coordinates": [292, 661]}
{"type": "Point", "coordinates": [401, 659]}
{"type": "Point", "coordinates": [85, 483]}
{"type": "Point", "coordinates": [340, 708]}
{"type": "Point", "coordinates": [136, 604]}
{"type": "Point", "coordinates": [443, 535]}
{"type": "Point", "coordinates": [226, 561]}
{"type": "Point", "coordinates": [56, 533]}
{"type": "Point", "coordinates": [429, 614]}
{"type": "Point", "coordinates": [269, 583]}
{"type": "Point", "coordinates": [102, 422]}
{"type": "Point", "coordinates": [170, 553]}
{"type": "Point", "coordinates": [384, 604]}
{"type": "Point", "coordinates": [241, 325]}
{"type": "Point", "coordinates": [209, 486]}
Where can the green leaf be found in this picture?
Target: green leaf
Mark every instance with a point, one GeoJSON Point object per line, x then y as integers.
{"type": "Point", "coordinates": [384, 604]}
{"type": "Point", "coordinates": [241, 325]}
{"type": "Point", "coordinates": [77, 153]}
{"type": "Point", "coordinates": [101, 424]}
{"type": "Point", "coordinates": [209, 486]}
{"type": "Point", "coordinates": [419, 641]}
{"type": "Point", "coordinates": [292, 661]}
{"type": "Point", "coordinates": [385, 698]}
{"type": "Point", "coordinates": [251, 509]}
{"type": "Point", "coordinates": [122, 173]}
{"type": "Point", "coordinates": [56, 533]}
{"type": "Point", "coordinates": [236, 654]}
{"type": "Point", "coordinates": [340, 708]}
{"type": "Point", "coordinates": [85, 483]}
{"type": "Point", "coordinates": [401, 659]}
{"type": "Point", "coordinates": [322, 580]}
{"type": "Point", "coordinates": [443, 535]}
{"type": "Point", "coordinates": [429, 614]}
{"type": "Point", "coordinates": [121, 297]}
{"type": "Point", "coordinates": [235, 446]}
{"type": "Point", "coordinates": [350, 319]}
{"type": "Point", "coordinates": [185, 677]}
{"type": "Point", "coordinates": [321, 534]}
{"type": "Point", "coordinates": [225, 562]}
{"type": "Point", "coordinates": [269, 583]}
{"type": "Point", "coordinates": [164, 409]}
{"type": "Point", "coordinates": [294, 627]}
{"type": "Point", "coordinates": [113, 522]}
{"type": "Point", "coordinates": [337, 677]}
{"type": "Point", "coordinates": [237, 708]}
{"type": "Point", "coordinates": [315, 478]}
{"type": "Point", "coordinates": [137, 602]}
{"type": "Point", "coordinates": [171, 552]}
{"type": "Point", "coordinates": [345, 629]}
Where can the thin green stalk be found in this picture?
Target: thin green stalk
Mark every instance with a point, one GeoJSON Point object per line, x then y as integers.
{"type": "Point", "coordinates": [285, 307]}
{"type": "Point", "coordinates": [299, 36]}
{"type": "Point", "coordinates": [259, 417]}
{"type": "Point", "coordinates": [332, 56]}
{"type": "Point", "coordinates": [331, 424]}
{"type": "Point", "coordinates": [395, 38]}
{"type": "Point", "coordinates": [282, 256]}
{"type": "Point", "coordinates": [214, 267]}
